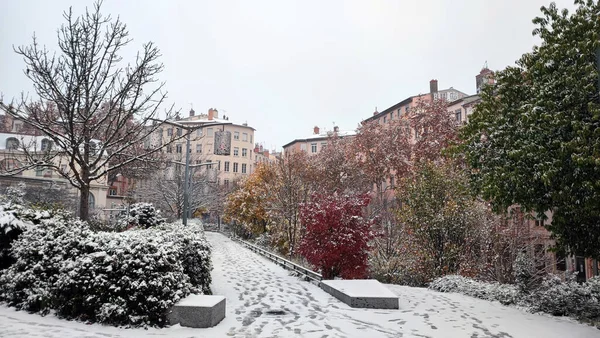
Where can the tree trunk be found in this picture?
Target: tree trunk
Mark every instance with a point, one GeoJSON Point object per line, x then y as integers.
{"type": "Point", "coordinates": [84, 206]}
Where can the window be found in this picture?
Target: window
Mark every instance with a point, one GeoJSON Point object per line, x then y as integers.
{"type": "Point", "coordinates": [243, 168]}
{"type": "Point", "coordinates": [323, 145]}
{"type": "Point", "coordinates": [399, 112]}
{"type": "Point", "coordinates": [236, 151]}
{"type": "Point", "coordinates": [391, 116]}
{"type": "Point", "coordinates": [407, 110]}
{"type": "Point", "coordinates": [91, 201]}
{"type": "Point", "coordinates": [112, 192]}
{"type": "Point", "coordinates": [303, 146]}
{"type": "Point", "coordinates": [179, 131]}
{"type": "Point", "coordinates": [244, 152]}
{"type": "Point", "coordinates": [210, 165]}
{"type": "Point", "coordinates": [392, 182]}
{"type": "Point", "coordinates": [12, 143]}
{"type": "Point", "coordinates": [199, 148]}
{"type": "Point", "coordinates": [39, 172]}
{"type": "Point", "coordinates": [236, 135]}
{"type": "Point", "coordinates": [235, 167]}
{"type": "Point", "coordinates": [169, 149]}
{"type": "Point", "coordinates": [458, 114]}
{"type": "Point", "coordinates": [46, 144]}
{"type": "Point", "coordinates": [209, 132]}
{"type": "Point", "coordinates": [170, 132]}
{"type": "Point", "coordinates": [226, 183]}
{"type": "Point", "coordinates": [63, 168]}
{"type": "Point", "coordinates": [178, 148]}
{"type": "Point", "coordinates": [218, 165]}
{"type": "Point", "coordinates": [226, 166]}
{"type": "Point", "coordinates": [250, 138]}
{"type": "Point", "coordinates": [245, 137]}
{"type": "Point", "coordinates": [198, 161]}
{"type": "Point", "coordinates": [539, 222]}
{"type": "Point", "coordinates": [384, 119]}
{"type": "Point", "coordinates": [313, 147]}
{"type": "Point", "coordinates": [199, 132]}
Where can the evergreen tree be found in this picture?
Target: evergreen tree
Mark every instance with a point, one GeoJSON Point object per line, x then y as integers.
{"type": "Point", "coordinates": [534, 139]}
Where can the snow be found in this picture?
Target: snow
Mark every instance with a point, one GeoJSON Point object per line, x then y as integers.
{"type": "Point", "coordinates": [254, 285]}
{"type": "Point", "coordinates": [200, 300]}
{"type": "Point", "coordinates": [361, 288]}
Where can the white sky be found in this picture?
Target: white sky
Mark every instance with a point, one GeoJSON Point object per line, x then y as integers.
{"type": "Point", "coordinates": [286, 66]}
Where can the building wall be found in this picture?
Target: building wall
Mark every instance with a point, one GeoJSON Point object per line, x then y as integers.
{"type": "Point", "coordinates": [99, 188]}
{"type": "Point", "coordinates": [227, 168]}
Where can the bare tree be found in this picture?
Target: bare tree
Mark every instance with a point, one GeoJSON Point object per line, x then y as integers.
{"type": "Point", "coordinates": [165, 188]}
{"type": "Point", "coordinates": [99, 114]}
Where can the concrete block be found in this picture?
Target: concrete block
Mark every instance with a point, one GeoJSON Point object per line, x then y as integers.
{"type": "Point", "coordinates": [361, 293]}
{"type": "Point", "coordinates": [199, 311]}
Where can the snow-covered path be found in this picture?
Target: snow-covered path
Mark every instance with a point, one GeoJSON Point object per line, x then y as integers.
{"type": "Point", "coordinates": [254, 285]}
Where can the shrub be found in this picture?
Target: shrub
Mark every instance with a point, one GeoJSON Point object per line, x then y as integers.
{"type": "Point", "coordinates": [504, 293]}
{"type": "Point", "coordinates": [144, 215]}
{"type": "Point", "coordinates": [14, 219]}
{"type": "Point", "coordinates": [553, 296]}
{"type": "Point", "coordinates": [127, 278]}
{"type": "Point", "coordinates": [568, 298]}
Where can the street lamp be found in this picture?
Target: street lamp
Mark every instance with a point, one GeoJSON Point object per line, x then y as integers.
{"type": "Point", "coordinates": [190, 129]}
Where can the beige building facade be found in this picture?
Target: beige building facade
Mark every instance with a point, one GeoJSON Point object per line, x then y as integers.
{"type": "Point", "coordinates": [207, 145]}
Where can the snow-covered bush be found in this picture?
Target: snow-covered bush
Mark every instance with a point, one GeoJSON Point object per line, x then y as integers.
{"type": "Point", "coordinates": [524, 272]}
{"type": "Point", "coordinates": [579, 300]}
{"type": "Point", "coordinates": [504, 293]}
{"type": "Point", "coordinates": [553, 296]}
{"type": "Point", "coordinates": [144, 215]}
{"type": "Point", "coordinates": [127, 278]}
{"type": "Point", "coordinates": [14, 219]}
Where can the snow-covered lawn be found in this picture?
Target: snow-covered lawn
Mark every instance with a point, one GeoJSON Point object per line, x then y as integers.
{"type": "Point", "coordinates": [253, 286]}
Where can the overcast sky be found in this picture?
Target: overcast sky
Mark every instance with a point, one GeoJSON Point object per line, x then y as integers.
{"type": "Point", "coordinates": [286, 66]}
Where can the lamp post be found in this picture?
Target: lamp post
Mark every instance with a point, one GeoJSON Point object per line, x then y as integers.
{"type": "Point", "coordinates": [186, 192]}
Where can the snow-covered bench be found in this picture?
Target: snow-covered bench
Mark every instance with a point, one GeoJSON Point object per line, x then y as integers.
{"type": "Point", "coordinates": [361, 293]}
{"type": "Point", "coordinates": [198, 311]}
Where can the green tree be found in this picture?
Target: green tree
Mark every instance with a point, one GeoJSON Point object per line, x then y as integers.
{"type": "Point", "coordinates": [438, 213]}
{"type": "Point", "coordinates": [534, 138]}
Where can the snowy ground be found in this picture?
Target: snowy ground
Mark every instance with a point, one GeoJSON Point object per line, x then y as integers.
{"type": "Point", "coordinates": [253, 285]}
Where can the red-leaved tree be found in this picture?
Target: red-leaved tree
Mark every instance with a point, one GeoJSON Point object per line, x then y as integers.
{"type": "Point", "coordinates": [337, 235]}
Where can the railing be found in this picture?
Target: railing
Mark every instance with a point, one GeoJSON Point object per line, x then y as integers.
{"type": "Point", "coordinates": [309, 275]}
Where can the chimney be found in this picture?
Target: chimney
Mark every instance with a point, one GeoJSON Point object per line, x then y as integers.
{"type": "Point", "coordinates": [192, 112]}
{"type": "Point", "coordinates": [433, 86]}
{"type": "Point", "coordinates": [316, 130]}
{"type": "Point", "coordinates": [210, 114]}
{"type": "Point", "coordinates": [266, 153]}
{"type": "Point", "coordinates": [256, 148]}
{"type": "Point", "coordinates": [336, 129]}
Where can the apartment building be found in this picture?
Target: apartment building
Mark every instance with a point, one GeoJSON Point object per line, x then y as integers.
{"type": "Point", "coordinates": [11, 157]}
{"type": "Point", "coordinates": [403, 107]}
{"type": "Point", "coordinates": [227, 145]}
{"type": "Point", "coordinates": [262, 155]}
{"type": "Point", "coordinates": [313, 144]}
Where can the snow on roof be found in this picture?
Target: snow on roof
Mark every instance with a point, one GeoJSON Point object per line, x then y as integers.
{"type": "Point", "coordinates": [201, 119]}
{"type": "Point", "coordinates": [341, 133]}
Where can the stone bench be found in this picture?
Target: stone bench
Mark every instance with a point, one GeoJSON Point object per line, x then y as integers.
{"type": "Point", "coordinates": [199, 311]}
{"type": "Point", "coordinates": [361, 293]}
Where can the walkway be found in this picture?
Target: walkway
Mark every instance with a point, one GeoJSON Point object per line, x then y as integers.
{"type": "Point", "coordinates": [254, 286]}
